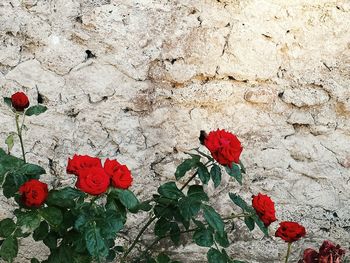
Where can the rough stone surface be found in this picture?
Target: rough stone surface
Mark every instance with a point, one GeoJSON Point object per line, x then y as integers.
{"type": "Point", "coordinates": [137, 80]}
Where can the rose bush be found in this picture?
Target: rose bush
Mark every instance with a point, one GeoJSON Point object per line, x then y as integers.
{"type": "Point", "coordinates": [82, 223]}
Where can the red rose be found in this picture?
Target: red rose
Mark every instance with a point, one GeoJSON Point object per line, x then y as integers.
{"type": "Point", "coordinates": [290, 231]}
{"type": "Point", "coordinates": [20, 101]}
{"type": "Point", "coordinates": [34, 193]}
{"type": "Point", "coordinates": [120, 174]}
{"type": "Point", "coordinates": [93, 180]}
{"type": "Point", "coordinates": [223, 146]}
{"type": "Point", "coordinates": [79, 162]}
{"type": "Point", "coordinates": [328, 253]}
{"type": "Point", "coordinates": [265, 208]}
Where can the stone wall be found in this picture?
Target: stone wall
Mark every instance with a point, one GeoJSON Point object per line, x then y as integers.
{"type": "Point", "coordinates": [138, 79]}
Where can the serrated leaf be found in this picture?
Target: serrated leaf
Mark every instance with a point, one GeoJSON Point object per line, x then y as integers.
{"type": "Point", "coordinates": [215, 256]}
{"type": "Point", "coordinates": [260, 224]}
{"type": "Point", "coordinates": [7, 226]}
{"type": "Point", "coordinates": [240, 202]}
{"type": "Point", "coordinates": [186, 166]}
{"type": "Point", "coordinates": [235, 172]}
{"type": "Point", "coordinates": [52, 215]}
{"type": "Point", "coordinates": [161, 227]}
{"type": "Point", "coordinates": [175, 233]}
{"type": "Point", "coordinates": [95, 243]}
{"type": "Point", "coordinates": [35, 110]}
{"type": "Point", "coordinates": [64, 197]}
{"type": "Point", "coordinates": [189, 207]}
{"type": "Point", "coordinates": [249, 223]}
{"type": "Point", "coordinates": [9, 249]}
{"type": "Point", "coordinates": [213, 219]}
{"type": "Point", "coordinates": [203, 173]}
{"type": "Point", "coordinates": [203, 237]}
{"type": "Point", "coordinates": [197, 193]}
{"type": "Point", "coordinates": [215, 174]}
{"type": "Point", "coordinates": [41, 232]}
{"type": "Point", "coordinates": [128, 199]}
{"type": "Point", "coordinates": [28, 221]}
{"type": "Point", "coordinates": [170, 190]}
{"type": "Point", "coordinates": [222, 240]}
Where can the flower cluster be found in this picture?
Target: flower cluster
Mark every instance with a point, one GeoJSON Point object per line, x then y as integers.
{"type": "Point", "coordinates": [94, 179]}
{"type": "Point", "coordinates": [328, 253]}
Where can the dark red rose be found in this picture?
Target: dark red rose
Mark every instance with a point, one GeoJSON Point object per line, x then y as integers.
{"type": "Point", "coordinates": [120, 174]}
{"type": "Point", "coordinates": [79, 162]}
{"type": "Point", "coordinates": [93, 180]}
{"type": "Point", "coordinates": [20, 101]}
{"type": "Point", "coordinates": [290, 231]}
{"type": "Point", "coordinates": [328, 253]}
{"type": "Point", "coordinates": [265, 208]}
{"type": "Point", "coordinates": [33, 193]}
{"type": "Point", "coordinates": [223, 146]}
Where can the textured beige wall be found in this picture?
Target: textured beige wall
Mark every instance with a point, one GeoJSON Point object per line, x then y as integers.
{"type": "Point", "coordinates": [275, 72]}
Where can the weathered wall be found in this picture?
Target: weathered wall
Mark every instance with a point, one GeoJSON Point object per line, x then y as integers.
{"type": "Point", "coordinates": [275, 72]}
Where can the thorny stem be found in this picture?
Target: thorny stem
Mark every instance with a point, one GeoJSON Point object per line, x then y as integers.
{"type": "Point", "coordinates": [19, 133]}
{"type": "Point", "coordinates": [288, 252]}
{"type": "Point", "coordinates": [150, 221]}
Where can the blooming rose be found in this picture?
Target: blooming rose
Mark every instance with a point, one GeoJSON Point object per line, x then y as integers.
{"type": "Point", "coordinates": [328, 253]}
{"type": "Point", "coordinates": [20, 101]}
{"type": "Point", "coordinates": [223, 146]}
{"type": "Point", "coordinates": [120, 174]}
{"type": "Point", "coordinates": [79, 162]}
{"type": "Point", "coordinates": [93, 180]}
{"type": "Point", "coordinates": [290, 231]}
{"type": "Point", "coordinates": [265, 208]}
{"type": "Point", "coordinates": [33, 193]}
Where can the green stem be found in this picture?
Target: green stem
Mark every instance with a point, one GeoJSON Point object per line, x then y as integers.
{"type": "Point", "coordinates": [150, 221]}
{"type": "Point", "coordinates": [19, 133]}
{"type": "Point", "coordinates": [288, 252]}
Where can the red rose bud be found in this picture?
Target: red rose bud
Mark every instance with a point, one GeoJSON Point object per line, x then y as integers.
{"type": "Point", "coordinates": [265, 208]}
{"type": "Point", "coordinates": [79, 162]}
{"type": "Point", "coordinates": [120, 174]}
{"type": "Point", "coordinates": [93, 180]}
{"type": "Point", "coordinates": [33, 193]}
{"type": "Point", "coordinates": [223, 146]}
{"type": "Point", "coordinates": [290, 231]}
{"type": "Point", "coordinates": [20, 101]}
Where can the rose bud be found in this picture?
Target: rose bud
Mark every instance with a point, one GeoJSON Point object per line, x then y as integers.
{"type": "Point", "coordinates": [33, 193]}
{"type": "Point", "coordinates": [223, 146]}
{"type": "Point", "coordinates": [290, 231]}
{"type": "Point", "coordinates": [265, 208]}
{"type": "Point", "coordinates": [20, 101]}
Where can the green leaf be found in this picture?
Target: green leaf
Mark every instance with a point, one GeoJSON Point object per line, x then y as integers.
{"type": "Point", "coordinates": [52, 215]}
{"type": "Point", "coordinates": [260, 224]}
{"type": "Point", "coordinates": [186, 166]}
{"type": "Point", "coordinates": [95, 243]}
{"type": "Point", "coordinates": [215, 173]}
{"type": "Point", "coordinates": [203, 237]}
{"type": "Point", "coordinates": [249, 223]}
{"type": "Point", "coordinates": [243, 170]}
{"type": "Point", "coordinates": [8, 163]}
{"type": "Point", "coordinates": [64, 197]}
{"type": "Point", "coordinates": [235, 172]}
{"type": "Point", "coordinates": [197, 193]}
{"type": "Point", "coordinates": [175, 233]}
{"type": "Point", "coordinates": [51, 240]}
{"type": "Point", "coordinates": [34, 260]}
{"type": "Point", "coordinates": [214, 219]}
{"type": "Point", "coordinates": [28, 221]}
{"type": "Point", "coordinates": [9, 249]}
{"type": "Point", "coordinates": [8, 101]}
{"type": "Point", "coordinates": [203, 173]}
{"type": "Point", "coordinates": [7, 226]}
{"type": "Point", "coordinates": [189, 207]}
{"type": "Point", "coordinates": [170, 190]}
{"type": "Point", "coordinates": [163, 258]}
{"type": "Point", "coordinates": [222, 240]}
{"type": "Point", "coordinates": [240, 202]}
{"type": "Point", "coordinates": [110, 224]}
{"type": "Point", "coordinates": [10, 142]}
{"type": "Point", "coordinates": [215, 256]}
{"type": "Point", "coordinates": [127, 198]}
{"type": "Point", "coordinates": [35, 110]}
{"type": "Point", "coordinates": [41, 232]}
{"type": "Point", "coordinates": [161, 227]}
